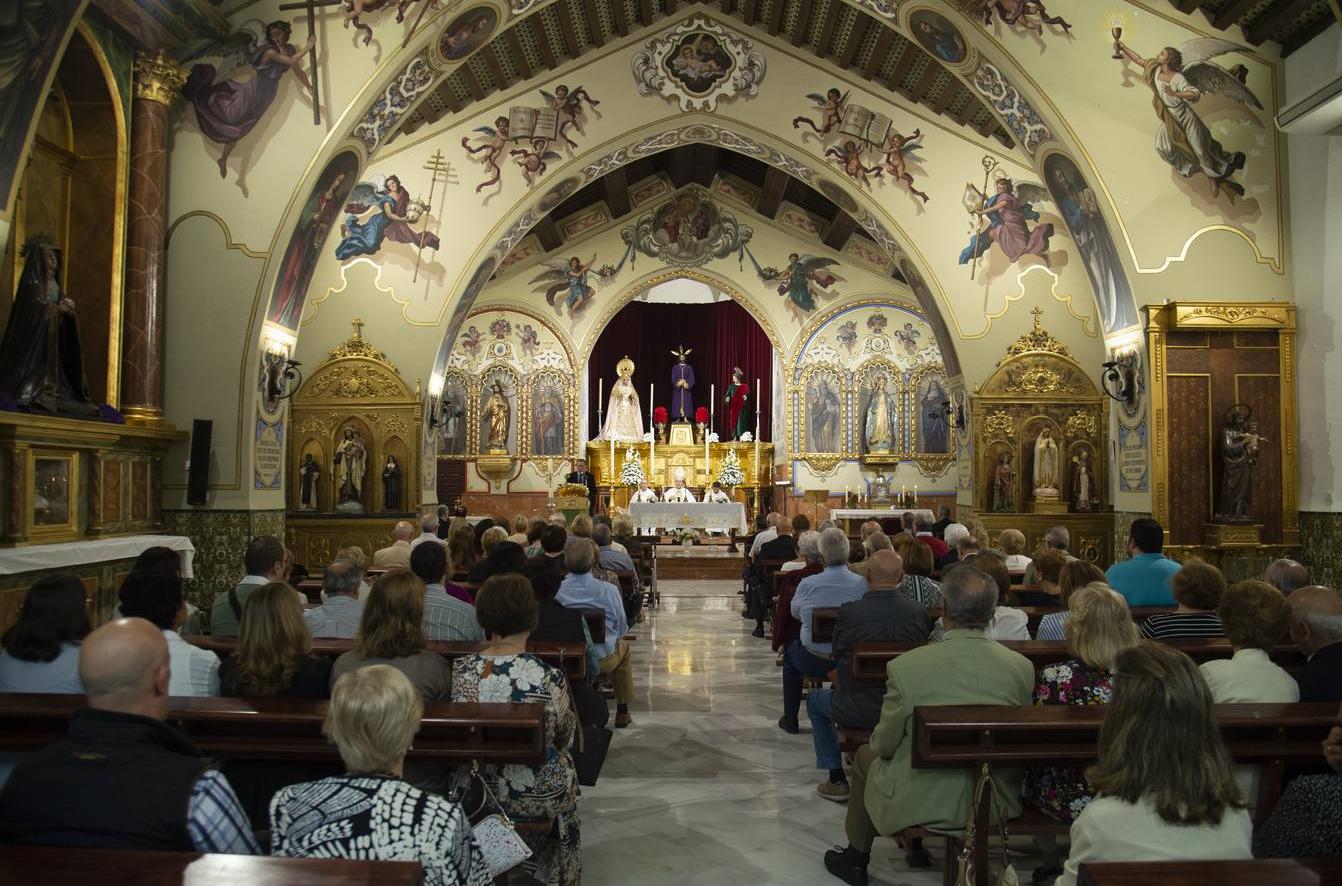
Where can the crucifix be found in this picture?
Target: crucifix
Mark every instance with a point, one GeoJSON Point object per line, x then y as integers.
{"type": "Point", "coordinates": [311, 7]}
{"type": "Point", "coordinates": [358, 327]}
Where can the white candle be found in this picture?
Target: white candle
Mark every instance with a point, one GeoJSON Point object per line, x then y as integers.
{"type": "Point", "coordinates": [915, 495]}
{"type": "Point", "coordinates": [712, 406]}
{"type": "Point", "coordinates": [652, 447]}
{"type": "Point", "coordinates": [599, 383]}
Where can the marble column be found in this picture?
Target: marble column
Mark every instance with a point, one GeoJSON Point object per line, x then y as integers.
{"type": "Point", "coordinates": [158, 80]}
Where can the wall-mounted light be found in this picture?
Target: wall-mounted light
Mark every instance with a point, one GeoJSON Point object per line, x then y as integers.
{"type": "Point", "coordinates": [951, 413]}
{"type": "Point", "coordinates": [1118, 382]}
{"type": "Point", "coordinates": [284, 384]}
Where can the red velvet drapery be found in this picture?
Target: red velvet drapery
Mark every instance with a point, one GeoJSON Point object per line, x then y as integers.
{"type": "Point", "coordinates": [722, 335]}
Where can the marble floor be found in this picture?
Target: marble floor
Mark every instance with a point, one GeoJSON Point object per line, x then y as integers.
{"type": "Point", "coordinates": [705, 788]}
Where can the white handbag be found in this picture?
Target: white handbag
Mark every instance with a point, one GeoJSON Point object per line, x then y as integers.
{"type": "Point", "coordinates": [501, 845]}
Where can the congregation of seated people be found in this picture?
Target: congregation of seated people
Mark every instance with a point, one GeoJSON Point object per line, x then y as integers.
{"type": "Point", "coordinates": [379, 808]}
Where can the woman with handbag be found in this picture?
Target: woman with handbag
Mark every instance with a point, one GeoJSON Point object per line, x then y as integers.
{"type": "Point", "coordinates": [1163, 786]}
{"type": "Point", "coordinates": [503, 672]}
{"type": "Point", "coordinates": [370, 812]}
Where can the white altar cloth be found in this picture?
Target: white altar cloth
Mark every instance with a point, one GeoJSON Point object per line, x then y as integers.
{"type": "Point", "coordinates": [879, 513]}
{"type": "Point", "coordinates": [691, 515]}
{"type": "Point", "coordinates": [95, 550]}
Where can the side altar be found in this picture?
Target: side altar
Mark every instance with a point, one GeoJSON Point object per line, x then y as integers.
{"type": "Point", "coordinates": [698, 465]}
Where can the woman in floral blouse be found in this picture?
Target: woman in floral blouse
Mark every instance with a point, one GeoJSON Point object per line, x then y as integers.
{"type": "Point", "coordinates": [503, 672]}
{"type": "Point", "coordinates": [1100, 626]}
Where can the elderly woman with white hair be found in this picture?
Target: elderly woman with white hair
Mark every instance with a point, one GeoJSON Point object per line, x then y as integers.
{"type": "Point", "coordinates": [808, 552]}
{"type": "Point", "coordinates": [370, 812]}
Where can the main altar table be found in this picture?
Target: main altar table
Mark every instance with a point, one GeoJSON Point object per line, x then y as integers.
{"type": "Point", "coordinates": [691, 515]}
{"type": "Point", "coordinates": [847, 517]}
{"type": "Point", "coordinates": [35, 558]}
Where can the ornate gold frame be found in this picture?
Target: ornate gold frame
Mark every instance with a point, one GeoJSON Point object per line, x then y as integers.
{"type": "Point", "coordinates": [803, 429]}
{"type": "Point", "coordinates": [1276, 317]}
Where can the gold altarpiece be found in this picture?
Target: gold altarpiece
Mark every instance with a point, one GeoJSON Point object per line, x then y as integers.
{"type": "Point", "coordinates": [701, 466]}
{"type": "Point", "coordinates": [1036, 386]}
{"type": "Point", "coordinates": [355, 388]}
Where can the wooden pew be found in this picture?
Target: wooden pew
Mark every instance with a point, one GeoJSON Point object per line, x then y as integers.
{"type": "Point", "coordinates": [291, 728]}
{"type": "Point", "coordinates": [62, 865]}
{"type": "Point", "coordinates": [870, 659]}
{"type": "Point", "coordinates": [1277, 871]}
{"type": "Point", "coordinates": [569, 657]}
{"type": "Point", "coordinates": [1035, 614]}
{"type": "Point", "coordinates": [968, 736]}
{"type": "Point", "coordinates": [596, 624]}
{"type": "Point", "coordinates": [822, 624]}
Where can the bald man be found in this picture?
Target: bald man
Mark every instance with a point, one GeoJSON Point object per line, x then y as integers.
{"type": "Point", "coordinates": [122, 778]}
{"type": "Point", "coordinates": [883, 615]}
{"type": "Point", "coordinates": [1316, 629]}
{"type": "Point", "coordinates": [1286, 576]}
{"type": "Point", "coordinates": [396, 554]}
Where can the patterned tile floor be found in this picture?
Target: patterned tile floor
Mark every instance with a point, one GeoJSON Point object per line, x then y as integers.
{"type": "Point", "coordinates": [705, 788]}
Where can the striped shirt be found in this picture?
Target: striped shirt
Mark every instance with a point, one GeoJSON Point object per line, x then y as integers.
{"type": "Point", "coordinates": [1169, 625]}
{"type": "Point", "coordinates": [447, 618]}
{"type": "Point", "coordinates": [338, 617]}
{"type": "Point", "coordinates": [1053, 626]}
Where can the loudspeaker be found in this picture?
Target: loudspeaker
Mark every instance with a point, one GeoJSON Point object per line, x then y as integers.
{"type": "Point", "coordinates": [198, 470]}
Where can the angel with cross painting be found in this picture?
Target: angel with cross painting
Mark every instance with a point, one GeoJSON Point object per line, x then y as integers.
{"type": "Point", "coordinates": [1179, 78]}
{"type": "Point", "coordinates": [1002, 219]}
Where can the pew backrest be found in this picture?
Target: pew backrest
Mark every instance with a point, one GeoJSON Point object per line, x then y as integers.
{"type": "Point", "coordinates": [1277, 871]}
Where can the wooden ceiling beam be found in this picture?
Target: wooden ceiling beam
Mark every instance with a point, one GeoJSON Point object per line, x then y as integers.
{"type": "Point", "coordinates": [749, 10]}
{"type": "Point", "coordinates": [1306, 34]}
{"type": "Point", "coordinates": [943, 100]}
{"type": "Point", "coordinates": [548, 233]}
{"type": "Point", "coordinates": [726, 7]}
{"type": "Point", "coordinates": [802, 21]}
{"type": "Point", "coordinates": [491, 57]}
{"type": "Point", "coordinates": [988, 126]}
{"type": "Point", "coordinates": [621, 19]}
{"type": "Point", "coordinates": [680, 165]}
{"type": "Point", "coordinates": [896, 78]}
{"type": "Point", "coordinates": [968, 110]}
{"type": "Point", "coordinates": [471, 82]}
{"type": "Point", "coordinates": [616, 186]}
{"type": "Point", "coordinates": [861, 24]}
{"type": "Point", "coordinates": [924, 82]}
{"type": "Point", "coordinates": [705, 163]}
{"type": "Point", "coordinates": [670, 6]}
{"type": "Point", "coordinates": [878, 52]}
{"type": "Point", "coordinates": [827, 29]}
{"type": "Point", "coordinates": [839, 231]}
{"type": "Point", "coordinates": [566, 27]}
{"type": "Point", "coordinates": [594, 23]}
{"type": "Point", "coordinates": [771, 194]}
{"type": "Point", "coordinates": [542, 42]}
{"type": "Point", "coordinates": [519, 55]}
{"type": "Point", "coordinates": [776, 18]}
{"type": "Point", "coordinates": [645, 11]}
{"type": "Point", "coordinates": [1188, 6]}
{"type": "Point", "coordinates": [1231, 12]}
{"type": "Point", "coordinates": [1275, 19]}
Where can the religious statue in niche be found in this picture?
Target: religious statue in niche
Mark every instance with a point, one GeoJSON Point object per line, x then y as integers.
{"type": "Point", "coordinates": [822, 414]}
{"type": "Point", "coordinates": [736, 397]}
{"type": "Point", "coordinates": [865, 130]}
{"type": "Point", "coordinates": [1045, 464]}
{"type": "Point", "coordinates": [1179, 78]}
{"type": "Point", "coordinates": [548, 416]}
{"type": "Point", "coordinates": [682, 386]}
{"type": "Point", "coordinates": [497, 418]}
{"type": "Point", "coordinates": [1002, 220]}
{"type": "Point", "coordinates": [1029, 14]}
{"type": "Point", "coordinates": [624, 417]}
{"type": "Point", "coordinates": [228, 109]}
{"type": "Point", "coordinates": [935, 428]}
{"type": "Point", "coordinates": [570, 278]}
{"type": "Point", "coordinates": [351, 459]}
{"type": "Point", "coordinates": [880, 423]}
{"type": "Point", "coordinates": [1004, 484]}
{"type": "Point", "coordinates": [1083, 482]}
{"type": "Point", "coordinates": [41, 361]}
{"type": "Point", "coordinates": [795, 281]}
{"type": "Point", "coordinates": [379, 212]}
{"type": "Point", "coordinates": [1240, 443]}
{"type": "Point", "coordinates": [533, 130]}
{"type": "Point", "coordinates": [308, 475]}
{"type": "Point", "coordinates": [391, 485]}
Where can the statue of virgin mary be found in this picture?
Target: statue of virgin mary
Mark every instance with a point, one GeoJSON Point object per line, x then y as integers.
{"type": "Point", "coordinates": [880, 433]}
{"type": "Point", "coordinates": [624, 418]}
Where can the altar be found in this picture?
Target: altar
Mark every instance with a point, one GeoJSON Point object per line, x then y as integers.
{"type": "Point", "coordinates": [851, 518]}
{"type": "Point", "coordinates": [707, 516]}
{"type": "Point", "coordinates": [699, 465]}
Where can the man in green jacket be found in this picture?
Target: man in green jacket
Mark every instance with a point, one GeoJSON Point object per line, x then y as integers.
{"type": "Point", "coordinates": [887, 794]}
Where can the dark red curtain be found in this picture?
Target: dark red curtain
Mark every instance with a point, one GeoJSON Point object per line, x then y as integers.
{"type": "Point", "coordinates": [722, 335]}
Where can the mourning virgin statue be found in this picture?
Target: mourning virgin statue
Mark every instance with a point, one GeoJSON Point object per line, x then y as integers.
{"type": "Point", "coordinates": [41, 364]}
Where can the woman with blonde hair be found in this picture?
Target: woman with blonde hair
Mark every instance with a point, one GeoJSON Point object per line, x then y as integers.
{"type": "Point", "coordinates": [1099, 629]}
{"type": "Point", "coordinates": [1163, 787]}
{"type": "Point", "coordinates": [581, 525]}
{"type": "Point", "coordinates": [391, 632]}
{"type": "Point", "coordinates": [370, 812]}
{"type": "Point", "coordinates": [274, 654]}
{"type": "Point", "coordinates": [1012, 543]}
{"type": "Point", "coordinates": [1075, 574]}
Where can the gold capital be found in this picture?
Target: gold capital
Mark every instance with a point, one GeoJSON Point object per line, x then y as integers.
{"type": "Point", "coordinates": [158, 77]}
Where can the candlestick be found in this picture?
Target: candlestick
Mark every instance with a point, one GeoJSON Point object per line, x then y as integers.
{"type": "Point", "coordinates": [652, 447]}
{"type": "Point", "coordinates": [915, 495]}
{"type": "Point", "coordinates": [612, 462]}
{"type": "Point", "coordinates": [712, 408]}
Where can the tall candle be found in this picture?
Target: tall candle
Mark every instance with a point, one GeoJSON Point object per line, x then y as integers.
{"type": "Point", "coordinates": [712, 406]}
{"type": "Point", "coordinates": [652, 447]}
{"type": "Point", "coordinates": [915, 495]}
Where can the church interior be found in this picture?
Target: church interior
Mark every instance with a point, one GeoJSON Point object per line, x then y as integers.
{"type": "Point", "coordinates": [770, 337]}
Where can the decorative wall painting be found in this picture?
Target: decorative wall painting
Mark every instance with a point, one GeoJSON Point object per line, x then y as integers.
{"type": "Point", "coordinates": [938, 36]}
{"type": "Point", "coordinates": [467, 32]}
{"type": "Point", "coordinates": [698, 63]}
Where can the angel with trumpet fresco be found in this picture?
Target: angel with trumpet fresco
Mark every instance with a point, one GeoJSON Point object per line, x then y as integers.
{"type": "Point", "coordinates": [1003, 219]}
{"type": "Point", "coordinates": [1179, 78]}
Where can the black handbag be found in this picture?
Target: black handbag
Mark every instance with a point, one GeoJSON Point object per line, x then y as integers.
{"type": "Point", "coordinates": [588, 759]}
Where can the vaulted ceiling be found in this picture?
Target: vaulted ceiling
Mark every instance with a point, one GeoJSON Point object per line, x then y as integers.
{"type": "Point", "coordinates": [1291, 23]}
{"type": "Point", "coordinates": [830, 29]}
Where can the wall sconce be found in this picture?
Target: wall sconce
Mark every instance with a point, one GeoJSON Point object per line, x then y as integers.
{"type": "Point", "coordinates": [285, 384]}
{"type": "Point", "coordinates": [952, 414]}
{"type": "Point", "coordinates": [1118, 382]}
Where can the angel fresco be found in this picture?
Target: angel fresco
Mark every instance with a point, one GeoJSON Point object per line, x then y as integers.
{"type": "Point", "coordinates": [530, 339]}
{"type": "Point", "coordinates": [228, 109]}
{"type": "Point", "coordinates": [896, 148]}
{"type": "Point", "coordinates": [470, 341]}
{"type": "Point", "coordinates": [354, 9]}
{"type": "Point", "coordinates": [699, 62]}
{"type": "Point", "coordinates": [569, 104]}
{"type": "Point", "coordinates": [497, 139]}
{"type": "Point", "coordinates": [1004, 221]}
{"type": "Point", "coordinates": [1029, 14]}
{"type": "Point", "coordinates": [1178, 79]}
{"type": "Point", "coordinates": [571, 276]}
{"type": "Point", "coordinates": [377, 213]}
{"type": "Point", "coordinates": [534, 162]}
{"type": "Point", "coordinates": [908, 336]}
{"type": "Point", "coordinates": [831, 111]}
{"type": "Point", "coordinates": [850, 158]}
{"type": "Point", "coordinates": [797, 278]}
{"type": "Point", "coordinates": [847, 335]}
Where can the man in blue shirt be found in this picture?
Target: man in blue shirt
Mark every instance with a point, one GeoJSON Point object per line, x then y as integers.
{"type": "Point", "coordinates": [835, 586]}
{"type": "Point", "coordinates": [580, 590]}
{"type": "Point", "coordinates": [1145, 579]}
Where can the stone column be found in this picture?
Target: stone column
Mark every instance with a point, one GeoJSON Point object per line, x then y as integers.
{"type": "Point", "coordinates": [158, 80]}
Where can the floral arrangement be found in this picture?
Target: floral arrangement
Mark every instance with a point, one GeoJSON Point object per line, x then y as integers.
{"type": "Point", "coordinates": [731, 474]}
{"type": "Point", "coordinates": [714, 438]}
{"type": "Point", "coordinates": [747, 437]}
{"type": "Point", "coordinates": [571, 490]}
{"type": "Point", "coordinates": [683, 535]}
{"type": "Point", "coordinates": [701, 415]}
{"type": "Point", "coordinates": [647, 438]}
{"type": "Point", "coordinates": [631, 471]}
{"type": "Point", "coordinates": [659, 415]}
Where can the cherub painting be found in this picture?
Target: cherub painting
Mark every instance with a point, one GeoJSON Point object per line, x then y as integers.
{"type": "Point", "coordinates": [490, 152]}
{"type": "Point", "coordinates": [568, 104]}
{"type": "Point", "coordinates": [796, 280]}
{"type": "Point", "coordinates": [896, 148]}
{"type": "Point", "coordinates": [698, 62]}
{"type": "Point", "coordinates": [570, 277]}
{"type": "Point", "coordinates": [535, 161]}
{"type": "Point", "coordinates": [1029, 14]}
{"type": "Point", "coordinates": [849, 157]}
{"type": "Point", "coordinates": [228, 109]}
{"type": "Point", "coordinates": [1178, 79]}
{"type": "Point", "coordinates": [354, 10]}
{"type": "Point", "coordinates": [831, 111]}
{"type": "Point", "coordinates": [908, 336]}
{"type": "Point", "coordinates": [470, 341]}
{"type": "Point", "coordinates": [530, 339]}
{"type": "Point", "coordinates": [848, 335]}
{"type": "Point", "coordinates": [1004, 221]}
